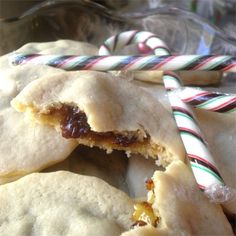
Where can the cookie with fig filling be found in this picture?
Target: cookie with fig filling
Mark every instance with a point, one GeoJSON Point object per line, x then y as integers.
{"type": "Point", "coordinates": [27, 147]}
{"type": "Point", "coordinates": [175, 206]}
{"type": "Point", "coordinates": [99, 109]}
{"type": "Point", "coordinates": [63, 203]}
{"type": "Point", "coordinates": [219, 130]}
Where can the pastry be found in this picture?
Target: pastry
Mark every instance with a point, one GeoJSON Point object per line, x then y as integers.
{"type": "Point", "coordinates": [126, 174]}
{"type": "Point", "coordinates": [220, 133]}
{"type": "Point", "coordinates": [98, 109]}
{"type": "Point", "coordinates": [176, 206]}
{"type": "Point", "coordinates": [26, 147]}
{"type": "Point", "coordinates": [188, 77]}
{"type": "Point", "coordinates": [63, 203]}
{"type": "Point", "coordinates": [54, 111]}
{"type": "Point", "coordinates": [111, 168]}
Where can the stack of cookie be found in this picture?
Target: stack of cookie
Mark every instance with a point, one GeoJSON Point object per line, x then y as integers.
{"type": "Point", "coordinates": [77, 147]}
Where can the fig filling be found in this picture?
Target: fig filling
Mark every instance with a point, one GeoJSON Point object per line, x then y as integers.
{"type": "Point", "coordinates": [139, 223]}
{"type": "Point", "coordinates": [73, 124]}
{"type": "Point", "coordinates": [143, 212]}
{"type": "Point", "coordinates": [149, 184]}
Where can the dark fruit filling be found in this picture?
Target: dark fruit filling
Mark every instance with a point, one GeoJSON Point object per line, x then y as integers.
{"type": "Point", "coordinates": [143, 212]}
{"type": "Point", "coordinates": [149, 184]}
{"type": "Point", "coordinates": [73, 124]}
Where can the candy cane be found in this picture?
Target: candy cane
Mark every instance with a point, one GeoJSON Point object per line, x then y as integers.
{"type": "Point", "coordinates": [202, 163]}
{"type": "Point", "coordinates": [212, 101]}
{"type": "Point", "coordinates": [129, 63]}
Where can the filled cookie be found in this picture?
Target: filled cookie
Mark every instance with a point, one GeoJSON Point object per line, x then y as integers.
{"type": "Point", "coordinates": [63, 203]}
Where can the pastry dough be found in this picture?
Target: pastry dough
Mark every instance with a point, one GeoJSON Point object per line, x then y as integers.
{"type": "Point", "coordinates": [126, 174]}
{"type": "Point", "coordinates": [25, 147]}
{"type": "Point", "coordinates": [110, 105]}
{"type": "Point", "coordinates": [181, 207]}
{"type": "Point", "coordinates": [219, 131]}
{"type": "Point", "coordinates": [63, 203]}
{"type": "Point", "coordinates": [111, 167]}
{"type": "Point", "coordinates": [188, 77]}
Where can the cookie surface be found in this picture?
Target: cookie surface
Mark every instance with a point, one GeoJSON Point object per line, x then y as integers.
{"type": "Point", "coordinates": [219, 131]}
{"type": "Point", "coordinates": [112, 167]}
{"type": "Point", "coordinates": [105, 111]}
{"type": "Point", "coordinates": [25, 147]}
{"type": "Point", "coordinates": [63, 203]}
{"type": "Point", "coordinates": [181, 207]}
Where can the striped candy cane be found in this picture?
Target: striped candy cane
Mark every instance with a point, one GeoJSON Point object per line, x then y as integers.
{"type": "Point", "coordinates": [129, 37]}
{"type": "Point", "coordinates": [203, 166]}
{"type": "Point", "coordinates": [201, 160]}
{"type": "Point", "coordinates": [212, 101]}
{"type": "Point", "coordinates": [129, 63]}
